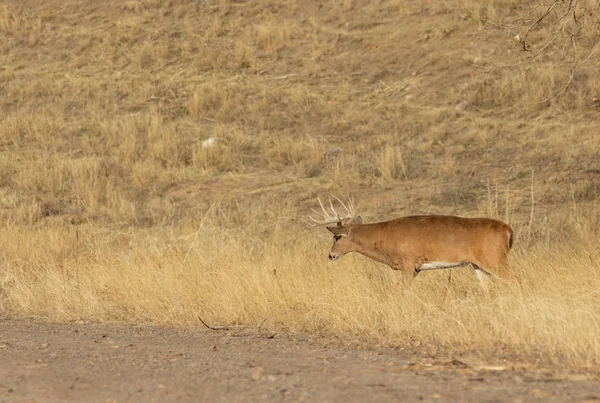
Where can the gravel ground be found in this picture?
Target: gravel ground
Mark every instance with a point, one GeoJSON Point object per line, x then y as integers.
{"type": "Point", "coordinates": [42, 362]}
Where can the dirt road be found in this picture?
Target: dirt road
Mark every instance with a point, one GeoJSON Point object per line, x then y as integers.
{"type": "Point", "coordinates": [90, 362]}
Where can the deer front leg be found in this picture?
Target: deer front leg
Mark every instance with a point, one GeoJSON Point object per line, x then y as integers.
{"type": "Point", "coordinates": [407, 272]}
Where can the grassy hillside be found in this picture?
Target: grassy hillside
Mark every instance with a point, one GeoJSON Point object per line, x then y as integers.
{"type": "Point", "coordinates": [115, 206]}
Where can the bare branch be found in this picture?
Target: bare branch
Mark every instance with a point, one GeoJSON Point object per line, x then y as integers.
{"type": "Point", "coordinates": [212, 328]}
{"type": "Point", "coordinates": [261, 323]}
{"type": "Point", "coordinates": [514, 23]}
{"type": "Point", "coordinates": [563, 89]}
{"type": "Point", "coordinates": [538, 21]}
{"type": "Point", "coordinates": [564, 49]}
{"type": "Point", "coordinates": [530, 58]}
{"type": "Point", "coordinates": [576, 64]}
{"type": "Point", "coordinates": [584, 60]}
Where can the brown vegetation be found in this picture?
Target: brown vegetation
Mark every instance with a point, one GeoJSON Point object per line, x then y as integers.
{"type": "Point", "coordinates": [114, 207]}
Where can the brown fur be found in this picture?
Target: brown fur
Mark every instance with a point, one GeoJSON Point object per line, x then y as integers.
{"type": "Point", "coordinates": [409, 242]}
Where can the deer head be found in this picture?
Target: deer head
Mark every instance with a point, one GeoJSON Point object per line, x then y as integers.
{"type": "Point", "coordinates": [342, 242]}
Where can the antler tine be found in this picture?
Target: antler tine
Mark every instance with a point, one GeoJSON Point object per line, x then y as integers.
{"type": "Point", "coordinates": [317, 222]}
{"type": "Point", "coordinates": [333, 216]}
{"type": "Point", "coordinates": [328, 219]}
{"type": "Point", "coordinates": [351, 206]}
{"type": "Point", "coordinates": [333, 211]}
{"type": "Point", "coordinates": [316, 212]}
{"type": "Point", "coordinates": [343, 205]}
{"type": "Point", "coordinates": [350, 212]}
{"type": "Point", "coordinates": [322, 207]}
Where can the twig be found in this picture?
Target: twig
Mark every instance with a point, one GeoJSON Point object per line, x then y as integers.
{"type": "Point", "coordinates": [260, 324]}
{"type": "Point", "coordinates": [187, 254]}
{"type": "Point", "coordinates": [591, 51]}
{"type": "Point", "coordinates": [448, 286]}
{"type": "Point", "coordinates": [507, 204]}
{"type": "Point", "coordinates": [532, 206]}
{"type": "Point", "coordinates": [286, 76]}
{"type": "Point", "coordinates": [575, 17]}
{"type": "Point", "coordinates": [564, 49]}
{"type": "Point", "coordinates": [576, 64]}
{"type": "Point", "coordinates": [561, 24]}
{"type": "Point", "coordinates": [212, 328]}
{"type": "Point", "coordinates": [563, 89]}
{"type": "Point", "coordinates": [523, 17]}
{"type": "Point", "coordinates": [525, 47]}
{"type": "Point", "coordinates": [163, 65]}
{"type": "Point", "coordinates": [522, 62]}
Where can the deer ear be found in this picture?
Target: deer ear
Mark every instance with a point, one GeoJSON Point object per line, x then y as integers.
{"type": "Point", "coordinates": [338, 230]}
{"type": "Point", "coordinates": [357, 220]}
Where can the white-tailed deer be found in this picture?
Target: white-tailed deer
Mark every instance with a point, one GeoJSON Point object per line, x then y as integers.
{"type": "Point", "coordinates": [416, 243]}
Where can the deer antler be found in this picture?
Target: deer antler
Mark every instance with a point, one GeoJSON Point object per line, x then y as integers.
{"type": "Point", "coordinates": [332, 216]}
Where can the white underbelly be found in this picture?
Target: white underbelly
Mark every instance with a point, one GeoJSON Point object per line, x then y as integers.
{"type": "Point", "coordinates": [441, 265]}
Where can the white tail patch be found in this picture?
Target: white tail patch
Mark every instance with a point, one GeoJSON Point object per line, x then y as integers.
{"type": "Point", "coordinates": [440, 265]}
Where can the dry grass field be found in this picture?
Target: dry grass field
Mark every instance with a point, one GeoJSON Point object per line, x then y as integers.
{"type": "Point", "coordinates": [114, 208]}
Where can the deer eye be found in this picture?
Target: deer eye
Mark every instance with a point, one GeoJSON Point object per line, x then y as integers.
{"type": "Point", "coordinates": [337, 237]}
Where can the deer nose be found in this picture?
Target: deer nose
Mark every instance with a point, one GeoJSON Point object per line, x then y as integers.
{"type": "Point", "coordinates": [331, 256]}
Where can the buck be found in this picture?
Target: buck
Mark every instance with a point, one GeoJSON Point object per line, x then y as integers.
{"type": "Point", "coordinates": [427, 242]}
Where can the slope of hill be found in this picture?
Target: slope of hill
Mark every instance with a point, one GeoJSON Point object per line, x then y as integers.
{"type": "Point", "coordinates": [147, 147]}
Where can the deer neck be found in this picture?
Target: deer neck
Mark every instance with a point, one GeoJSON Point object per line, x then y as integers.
{"type": "Point", "coordinates": [368, 242]}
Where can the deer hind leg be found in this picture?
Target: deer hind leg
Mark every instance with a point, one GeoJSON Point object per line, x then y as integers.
{"type": "Point", "coordinates": [504, 273]}
{"type": "Point", "coordinates": [484, 279]}
{"type": "Point", "coordinates": [497, 265]}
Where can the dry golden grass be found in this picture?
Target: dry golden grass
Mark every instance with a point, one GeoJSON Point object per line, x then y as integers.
{"type": "Point", "coordinates": [175, 275]}
{"type": "Point", "coordinates": [113, 208]}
